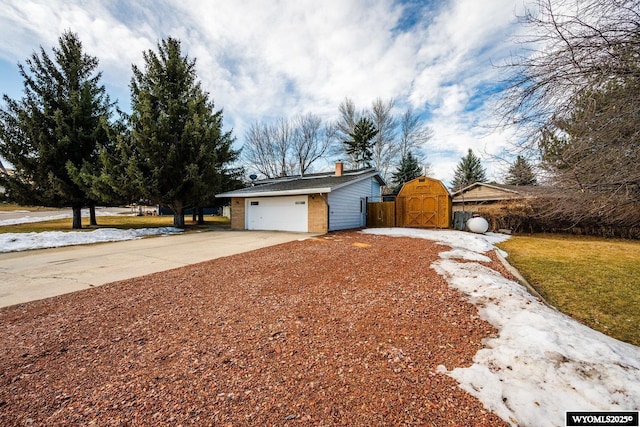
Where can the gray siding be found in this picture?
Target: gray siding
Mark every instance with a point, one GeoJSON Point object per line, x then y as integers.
{"type": "Point", "coordinates": [347, 205]}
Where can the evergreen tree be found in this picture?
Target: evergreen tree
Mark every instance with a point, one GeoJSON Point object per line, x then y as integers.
{"type": "Point", "coordinates": [56, 129]}
{"type": "Point", "coordinates": [468, 171]}
{"type": "Point", "coordinates": [521, 173]}
{"type": "Point", "coordinates": [110, 181]}
{"type": "Point", "coordinates": [359, 146]}
{"type": "Point", "coordinates": [408, 170]}
{"type": "Point", "coordinates": [177, 147]}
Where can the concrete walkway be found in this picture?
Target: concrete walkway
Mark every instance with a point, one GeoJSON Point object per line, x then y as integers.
{"type": "Point", "coordinates": [32, 275]}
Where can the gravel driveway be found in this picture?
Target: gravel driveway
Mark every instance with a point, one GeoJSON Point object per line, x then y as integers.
{"type": "Point", "coordinates": [344, 329]}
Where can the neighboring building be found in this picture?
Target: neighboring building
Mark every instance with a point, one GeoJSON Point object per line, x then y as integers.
{"type": "Point", "coordinates": [314, 203]}
{"type": "Point", "coordinates": [5, 171]}
{"type": "Point", "coordinates": [506, 207]}
{"type": "Point", "coordinates": [484, 194]}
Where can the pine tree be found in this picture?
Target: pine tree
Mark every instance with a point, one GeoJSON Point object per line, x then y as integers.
{"type": "Point", "coordinates": [408, 170]}
{"type": "Point", "coordinates": [468, 171]}
{"type": "Point", "coordinates": [56, 129]}
{"type": "Point", "coordinates": [521, 173]}
{"type": "Point", "coordinates": [359, 146]}
{"type": "Point", "coordinates": [177, 148]}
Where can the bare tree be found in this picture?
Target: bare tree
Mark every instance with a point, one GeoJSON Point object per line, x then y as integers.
{"type": "Point", "coordinates": [311, 140]}
{"type": "Point", "coordinates": [287, 146]}
{"type": "Point", "coordinates": [282, 137]}
{"type": "Point", "coordinates": [414, 136]}
{"type": "Point", "coordinates": [572, 46]}
{"type": "Point", "coordinates": [427, 169]}
{"type": "Point", "coordinates": [396, 135]}
{"type": "Point", "coordinates": [386, 149]}
{"type": "Point", "coordinates": [577, 99]}
{"type": "Point", "coordinates": [344, 126]}
{"type": "Point", "coordinates": [348, 117]}
{"type": "Point", "coordinates": [258, 150]}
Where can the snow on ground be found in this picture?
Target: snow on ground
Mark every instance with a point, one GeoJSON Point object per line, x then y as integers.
{"type": "Point", "coordinates": [542, 363]}
{"type": "Point", "coordinates": [28, 218]}
{"type": "Point", "coordinates": [12, 242]}
{"type": "Point", "coordinates": [25, 216]}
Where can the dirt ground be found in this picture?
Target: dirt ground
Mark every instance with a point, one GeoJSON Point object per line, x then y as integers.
{"type": "Point", "coordinates": [344, 329]}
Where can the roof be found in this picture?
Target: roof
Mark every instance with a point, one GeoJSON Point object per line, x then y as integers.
{"type": "Point", "coordinates": [310, 184]}
{"type": "Point", "coordinates": [508, 191]}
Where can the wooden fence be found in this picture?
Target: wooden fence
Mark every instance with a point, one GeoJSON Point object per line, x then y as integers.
{"type": "Point", "coordinates": [381, 214]}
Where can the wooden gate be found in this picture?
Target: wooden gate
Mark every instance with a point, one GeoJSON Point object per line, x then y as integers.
{"type": "Point", "coordinates": [381, 214]}
{"type": "Point", "coordinates": [423, 202]}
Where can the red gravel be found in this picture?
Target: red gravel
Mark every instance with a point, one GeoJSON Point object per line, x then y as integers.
{"type": "Point", "coordinates": [345, 329]}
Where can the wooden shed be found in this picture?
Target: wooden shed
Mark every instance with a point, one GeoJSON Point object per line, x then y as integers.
{"type": "Point", "coordinates": [423, 202]}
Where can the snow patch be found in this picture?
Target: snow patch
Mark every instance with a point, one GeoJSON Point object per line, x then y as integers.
{"type": "Point", "coordinates": [12, 242]}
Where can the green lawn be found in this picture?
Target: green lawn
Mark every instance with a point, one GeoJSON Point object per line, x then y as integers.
{"type": "Point", "coordinates": [594, 280]}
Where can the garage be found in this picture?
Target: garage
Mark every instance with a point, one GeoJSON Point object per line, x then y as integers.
{"type": "Point", "coordinates": [314, 203]}
{"type": "Point", "coordinates": [277, 213]}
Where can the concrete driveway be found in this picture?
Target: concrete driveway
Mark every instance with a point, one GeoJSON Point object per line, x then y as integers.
{"type": "Point", "coordinates": [37, 274]}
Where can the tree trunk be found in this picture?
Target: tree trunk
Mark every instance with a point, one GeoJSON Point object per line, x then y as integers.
{"type": "Point", "coordinates": [77, 217]}
{"type": "Point", "coordinates": [178, 214]}
{"type": "Point", "coordinates": [92, 215]}
{"type": "Point", "coordinates": [194, 218]}
{"type": "Point", "coordinates": [200, 216]}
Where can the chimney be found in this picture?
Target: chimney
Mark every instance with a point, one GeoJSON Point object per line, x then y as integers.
{"type": "Point", "coordinates": [338, 168]}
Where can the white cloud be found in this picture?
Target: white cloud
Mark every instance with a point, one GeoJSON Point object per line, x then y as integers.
{"type": "Point", "coordinates": [263, 60]}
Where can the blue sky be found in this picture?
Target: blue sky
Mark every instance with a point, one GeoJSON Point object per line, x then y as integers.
{"type": "Point", "coordinates": [265, 59]}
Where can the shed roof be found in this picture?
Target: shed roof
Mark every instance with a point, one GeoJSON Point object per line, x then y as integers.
{"type": "Point", "coordinates": [311, 184]}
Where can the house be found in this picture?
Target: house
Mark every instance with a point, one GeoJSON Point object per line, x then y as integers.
{"type": "Point", "coordinates": [489, 194]}
{"type": "Point", "coordinates": [506, 207]}
{"type": "Point", "coordinates": [314, 203]}
{"type": "Point", "coordinates": [5, 171]}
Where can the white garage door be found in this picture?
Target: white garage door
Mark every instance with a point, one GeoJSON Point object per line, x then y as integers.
{"type": "Point", "coordinates": [278, 213]}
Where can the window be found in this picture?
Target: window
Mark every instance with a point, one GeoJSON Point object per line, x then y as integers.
{"type": "Point", "coordinates": [300, 202]}
{"type": "Point", "coordinates": [255, 203]}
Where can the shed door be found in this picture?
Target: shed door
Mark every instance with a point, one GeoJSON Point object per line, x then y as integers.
{"type": "Point", "coordinates": [422, 210]}
{"type": "Point", "coordinates": [288, 213]}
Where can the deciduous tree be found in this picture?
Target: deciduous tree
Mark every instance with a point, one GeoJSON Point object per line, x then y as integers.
{"type": "Point", "coordinates": [286, 147]}
{"type": "Point", "coordinates": [311, 140]}
{"type": "Point", "coordinates": [576, 95]}
{"type": "Point", "coordinates": [386, 147]}
{"type": "Point", "coordinates": [258, 151]}
{"type": "Point", "coordinates": [414, 134]}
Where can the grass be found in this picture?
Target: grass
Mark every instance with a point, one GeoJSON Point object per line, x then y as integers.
{"type": "Point", "coordinates": [594, 280]}
{"type": "Point", "coordinates": [116, 221]}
